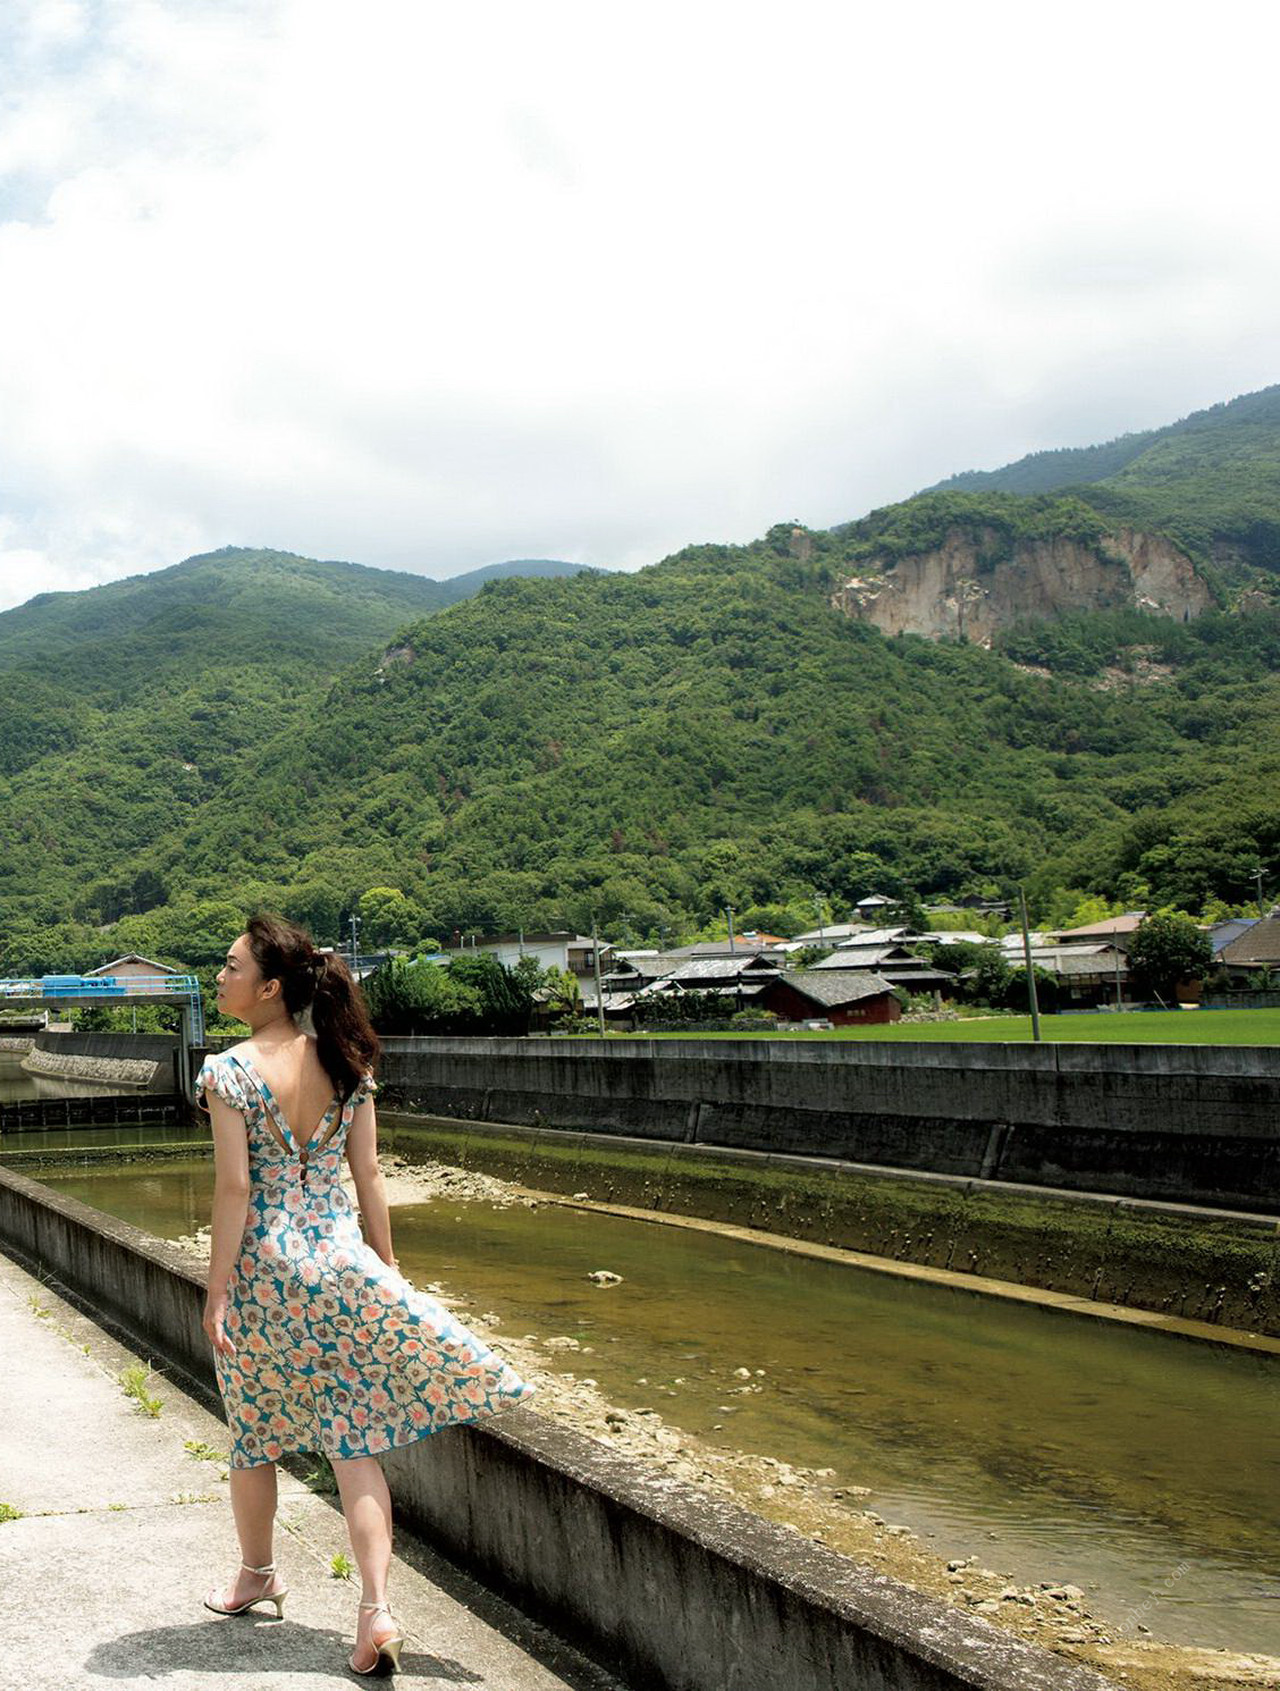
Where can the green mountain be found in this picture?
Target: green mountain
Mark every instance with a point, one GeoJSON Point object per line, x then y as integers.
{"type": "Point", "coordinates": [102, 664]}
{"type": "Point", "coordinates": [719, 728]}
{"type": "Point", "coordinates": [1211, 481]}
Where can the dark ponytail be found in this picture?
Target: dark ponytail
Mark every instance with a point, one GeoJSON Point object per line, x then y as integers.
{"type": "Point", "coordinates": [346, 1043]}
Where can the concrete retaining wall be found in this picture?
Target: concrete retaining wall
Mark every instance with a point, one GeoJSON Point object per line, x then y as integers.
{"type": "Point", "coordinates": [1194, 1124]}
{"type": "Point", "coordinates": [672, 1589]}
{"type": "Point", "coordinates": [162, 1049]}
{"type": "Point", "coordinates": [1219, 1266]}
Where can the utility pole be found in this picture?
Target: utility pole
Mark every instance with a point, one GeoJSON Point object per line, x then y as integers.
{"type": "Point", "coordinates": [355, 951]}
{"type": "Point", "coordinates": [728, 910]}
{"type": "Point", "coordinates": [595, 958]}
{"type": "Point", "coordinates": [1031, 974]}
{"type": "Point", "coordinates": [1119, 997]}
{"type": "Point", "coordinates": [820, 908]}
{"type": "Point", "coordinates": [1257, 875]}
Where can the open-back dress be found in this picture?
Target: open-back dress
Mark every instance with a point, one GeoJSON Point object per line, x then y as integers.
{"type": "Point", "coordinates": [335, 1350]}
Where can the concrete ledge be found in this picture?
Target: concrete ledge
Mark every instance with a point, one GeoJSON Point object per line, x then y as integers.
{"type": "Point", "coordinates": [674, 1590]}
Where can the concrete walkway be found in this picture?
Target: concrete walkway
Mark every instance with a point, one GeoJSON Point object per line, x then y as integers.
{"type": "Point", "coordinates": [125, 1523]}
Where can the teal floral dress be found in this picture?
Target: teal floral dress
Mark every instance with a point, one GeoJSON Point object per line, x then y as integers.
{"type": "Point", "coordinates": [335, 1351]}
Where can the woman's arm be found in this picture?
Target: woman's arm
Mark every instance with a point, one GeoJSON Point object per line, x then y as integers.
{"type": "Point", "coordinates": [371, 1192]}
{"type": "Point", "coordinates": [230, 1211]}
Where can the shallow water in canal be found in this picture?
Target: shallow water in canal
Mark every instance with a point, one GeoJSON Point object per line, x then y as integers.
{"type": "Point", "coordinates": [1144, 1468]}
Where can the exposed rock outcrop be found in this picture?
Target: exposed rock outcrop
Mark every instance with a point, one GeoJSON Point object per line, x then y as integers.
{"type": "Point", "coordinates": [954, 591]}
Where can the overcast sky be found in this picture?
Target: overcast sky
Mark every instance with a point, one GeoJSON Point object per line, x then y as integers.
{"type": "Point", "coordinates": [427, 287]}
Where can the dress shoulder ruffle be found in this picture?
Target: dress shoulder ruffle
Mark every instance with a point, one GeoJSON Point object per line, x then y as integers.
{"type": "Point", "coordinates": [218, 1075]}
{"type": "Point", "coordinates": [366, 1087]}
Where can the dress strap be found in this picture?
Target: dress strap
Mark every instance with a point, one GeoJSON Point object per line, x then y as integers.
{"type": "Point", "coordinates": [281, 1132]}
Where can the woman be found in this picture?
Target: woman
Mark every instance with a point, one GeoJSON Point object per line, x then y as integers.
{"type": "Point", "coordinates": [319, 1341]}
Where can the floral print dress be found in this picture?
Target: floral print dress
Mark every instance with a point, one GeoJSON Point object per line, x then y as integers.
{"type": "Point", "coordinates": [335, 1350]}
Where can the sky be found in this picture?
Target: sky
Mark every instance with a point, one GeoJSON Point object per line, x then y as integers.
{"type": "Point", "coordinates": [427, 287]}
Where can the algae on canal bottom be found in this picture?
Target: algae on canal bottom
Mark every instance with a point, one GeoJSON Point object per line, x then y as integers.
{"type": "Point", "coordinates": [1202, 1266]}
{"type": "Point", "coordinates": [1053, 1449]}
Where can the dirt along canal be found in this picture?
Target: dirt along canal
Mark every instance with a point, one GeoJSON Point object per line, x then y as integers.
{"type": "Point", "coordinates": [1111, 1492]}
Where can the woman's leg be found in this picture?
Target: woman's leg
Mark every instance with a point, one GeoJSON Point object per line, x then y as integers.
{"type": "Point", "coordinates": [253, 1503]}
{"type": "Point", "coordinates": [366, 1503]}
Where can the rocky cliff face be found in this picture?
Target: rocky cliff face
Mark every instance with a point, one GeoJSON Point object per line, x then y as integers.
{"type": "Point", "coordinates": [953, 591]}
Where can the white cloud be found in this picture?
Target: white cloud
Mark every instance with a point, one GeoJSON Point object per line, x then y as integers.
{"type": "Point", "coordinates": [426, 287]}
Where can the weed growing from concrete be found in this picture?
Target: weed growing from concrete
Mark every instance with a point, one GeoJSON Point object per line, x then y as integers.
{"type": "Point", "coordinates": [199, 1451]}
{"type": "Point", "coordinates": [9, 1513]}
{"type": "Point", "coordinates": [133, 1382]}
{"type": "Point", "coordinates": [341, 1567]}
{"type": "Point", "coordinates": [321, 1480]}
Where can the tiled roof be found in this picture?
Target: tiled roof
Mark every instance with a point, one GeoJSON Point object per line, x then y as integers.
{"type": "Point", "coordinates": [1113, 925]}
{"type": "Point", "coordinates": [833, 987]}
{"type": "Point", "coordinates": [1259, 947]}
{"type": "Point", "coordinates": [718, 969]}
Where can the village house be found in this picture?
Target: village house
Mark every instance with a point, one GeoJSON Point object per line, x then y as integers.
{"type": "Point", "coordinates": [1087, 975]}
{"type": "Point", "coordinates": [1117, 930]}
{"type": "Point", "coordinates": [134, 967]}
{"type": "Point", "coordinates": [842, 997]}
{"type": "Point", "coordinates": [1254, 954]}
{"type": "Point", "coordinates": [1221, 934]}
{"type": "Point", "coordinates": [569, 952]}
{"type": "Point", "coordinates": [742, 976]}
{"type": "Point", "coordinates": [898, 965]}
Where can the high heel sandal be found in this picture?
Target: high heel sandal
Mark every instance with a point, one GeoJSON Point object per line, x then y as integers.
{"type": "Point", "coordinates": [276, 1597]}
{"type": "Point", "coordinates": [388, 1658]}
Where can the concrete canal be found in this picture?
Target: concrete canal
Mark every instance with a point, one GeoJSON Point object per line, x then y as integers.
{"type": "Point", "coordinates": [1141, 1468]}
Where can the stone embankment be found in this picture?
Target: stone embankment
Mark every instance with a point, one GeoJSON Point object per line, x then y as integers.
{"type": "Point", "coordinates": [115, 1071]}
{"type": "Point", "coordinates": [16, 1045]}
{"type": "Point", "coordinates": [813, 1502]}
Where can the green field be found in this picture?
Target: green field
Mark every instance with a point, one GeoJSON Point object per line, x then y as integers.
{"type": "Point", "coordinates": [1138, 1027]}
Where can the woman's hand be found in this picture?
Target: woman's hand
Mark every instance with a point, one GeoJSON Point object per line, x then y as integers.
{"type": "Point", "coordinates": [215, 1323]}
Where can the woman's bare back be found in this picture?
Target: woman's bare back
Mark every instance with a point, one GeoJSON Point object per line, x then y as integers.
{"type": "Point", "coordinates": [297, 1078]}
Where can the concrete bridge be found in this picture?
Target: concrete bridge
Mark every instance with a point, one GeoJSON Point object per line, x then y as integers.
{"type": "Point", "coordinates": [116, 990]}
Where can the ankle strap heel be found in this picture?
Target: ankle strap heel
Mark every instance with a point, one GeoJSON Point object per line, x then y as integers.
{"type": "Point", "coordinates": [275, 1598]}
{"type": "Point", "coordinates": [387, 1659]}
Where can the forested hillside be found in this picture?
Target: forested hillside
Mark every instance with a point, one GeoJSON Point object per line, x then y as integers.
{"type": "Point", "coordinates": [1211, 482]}
{"type": "Point", "coordinates": [642, 748]}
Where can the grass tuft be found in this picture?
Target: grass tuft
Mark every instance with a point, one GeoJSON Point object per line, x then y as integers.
{"type": "Point", "coordinates": [133, 1382]}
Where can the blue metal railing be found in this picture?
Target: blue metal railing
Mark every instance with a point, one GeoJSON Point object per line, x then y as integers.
{"type": "Point", "coordinates": [88, 988]}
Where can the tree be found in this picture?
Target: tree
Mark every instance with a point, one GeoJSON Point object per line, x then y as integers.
{"type": "Point", "coordinates": [388, 917]}
{"type": "Point", "coordinates": [418, 997]}
{"type": "Point", "coordinates": [907, 911]}
{"type": "Point", "coordinates": [506, 998]}
{"type": "Point", "coordinates": [1167, 948]}
{"type": "Point", "coordinates": [991, 978]}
